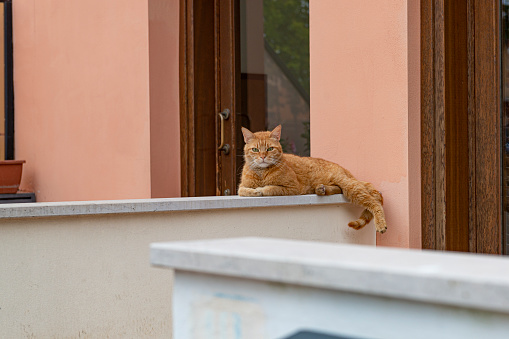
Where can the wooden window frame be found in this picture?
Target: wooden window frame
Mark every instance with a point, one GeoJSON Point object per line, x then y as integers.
{"type": "Point", "coordinates": [8, 86]}
{"type": "Point", "coordinates": [460, 125]}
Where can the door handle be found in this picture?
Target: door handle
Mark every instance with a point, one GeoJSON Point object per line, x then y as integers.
{"type": "Point", "coordinates": [224, 115]}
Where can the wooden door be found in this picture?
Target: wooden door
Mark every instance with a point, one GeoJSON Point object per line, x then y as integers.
{"type": "Point", "coordinates": [208, 87]}
{"type": "Point", "coordinates": [460, 125]}
{"type": "Point", "coordinates": [228, 93]}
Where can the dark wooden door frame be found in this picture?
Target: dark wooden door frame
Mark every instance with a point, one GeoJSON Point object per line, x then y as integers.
{"type": "Point", "coordinates": [228, 82]}
{"type": "Point", "coordinates": [460, 125]}
{"type": "Point", "coordinates": [209, 77]}
{"type": "Point", "coordinates": [197, 96]}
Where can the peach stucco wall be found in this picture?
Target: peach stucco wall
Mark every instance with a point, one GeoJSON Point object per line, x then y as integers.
{"type": "Point", "coordinates": [84, 101]}
{"type": "Point", "coordinates": [365, 101]}
{"type": "Point", "coordinates": [164, 98]}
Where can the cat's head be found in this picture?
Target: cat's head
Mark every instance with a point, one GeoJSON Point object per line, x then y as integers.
{"type": "Point", "coordinates": [262, 149]}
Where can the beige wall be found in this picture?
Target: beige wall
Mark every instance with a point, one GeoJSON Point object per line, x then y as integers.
{"type": "Point", "coordinates": [365, 101]}
{"type": "Point", "coordinates": [86, 99]}
{"type": "Point", "coordinates": [90, 276]}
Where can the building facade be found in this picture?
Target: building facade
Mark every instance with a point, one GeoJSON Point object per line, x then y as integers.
{"type": "Point", "coordinates": [121, 100]}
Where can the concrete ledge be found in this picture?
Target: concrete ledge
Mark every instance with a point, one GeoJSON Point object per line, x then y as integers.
{"type": "Point", "coordinates": [461, 280]}
{"type": "Point", "coordinates": [51, 209]}
{"type": "Point", "coordinates": [96, 254]}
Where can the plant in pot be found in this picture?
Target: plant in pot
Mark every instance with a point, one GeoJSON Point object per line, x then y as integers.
{"type": "Point", "coordinates": [10, 175]}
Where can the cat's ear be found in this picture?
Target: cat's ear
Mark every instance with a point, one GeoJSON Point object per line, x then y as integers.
{"type": "Point", "coordinates": [248, 135]}
{"type": "Point", "coordinates": [276, 133]}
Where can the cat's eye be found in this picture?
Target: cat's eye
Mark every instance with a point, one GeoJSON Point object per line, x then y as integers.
{"type": "Point", "coordinates": [270, 149]}
{"type": "Point", "coordinates": [254, 150]}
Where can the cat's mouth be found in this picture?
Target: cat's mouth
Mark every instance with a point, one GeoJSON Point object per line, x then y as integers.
{"type": "Point", "coordinates": [262, 163]}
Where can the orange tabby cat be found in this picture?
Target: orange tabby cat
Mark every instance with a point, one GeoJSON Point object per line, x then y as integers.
{"type": "Point", "coordinates": [267, 171]}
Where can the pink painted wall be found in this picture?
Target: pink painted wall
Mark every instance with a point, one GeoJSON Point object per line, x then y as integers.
{"type": "Point", "coordinates": [365, 101]}
{"type": "Point", "coordinates": [164, 98]}
{"type": "Point", "coordinates": [84, 100]}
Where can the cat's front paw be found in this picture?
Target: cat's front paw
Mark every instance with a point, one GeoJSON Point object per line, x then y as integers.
{"type": "Point", "coordinates": [250, 192]}
{"type": "Point", "coordinates": [320, 190]}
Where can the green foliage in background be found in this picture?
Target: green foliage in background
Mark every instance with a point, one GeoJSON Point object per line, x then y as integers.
{"type": "Point", "coordinates": [286, 29]}
{"type": "Point", "coordinates": [307, 136]}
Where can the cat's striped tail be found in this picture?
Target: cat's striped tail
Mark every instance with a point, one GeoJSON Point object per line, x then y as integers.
{"type": "Point", "coordinates": [363, 220]}
{"type": "Point", "coordinates": [366, 215]}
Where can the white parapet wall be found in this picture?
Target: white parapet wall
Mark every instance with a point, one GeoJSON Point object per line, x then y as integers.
{"type": "Point", "coordinates": [257, 288]}
{"type": "Point", "coordinates": [82, 269]}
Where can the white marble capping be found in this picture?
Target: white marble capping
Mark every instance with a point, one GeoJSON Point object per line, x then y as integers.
{"type": "Point", "coordinates": [48, 209]}
{"type": "Point", "coordinates": [460, 280]}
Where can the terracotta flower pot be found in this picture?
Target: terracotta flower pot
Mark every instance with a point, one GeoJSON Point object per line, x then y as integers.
{"type": "Point", "coordinates": [10, 175]}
